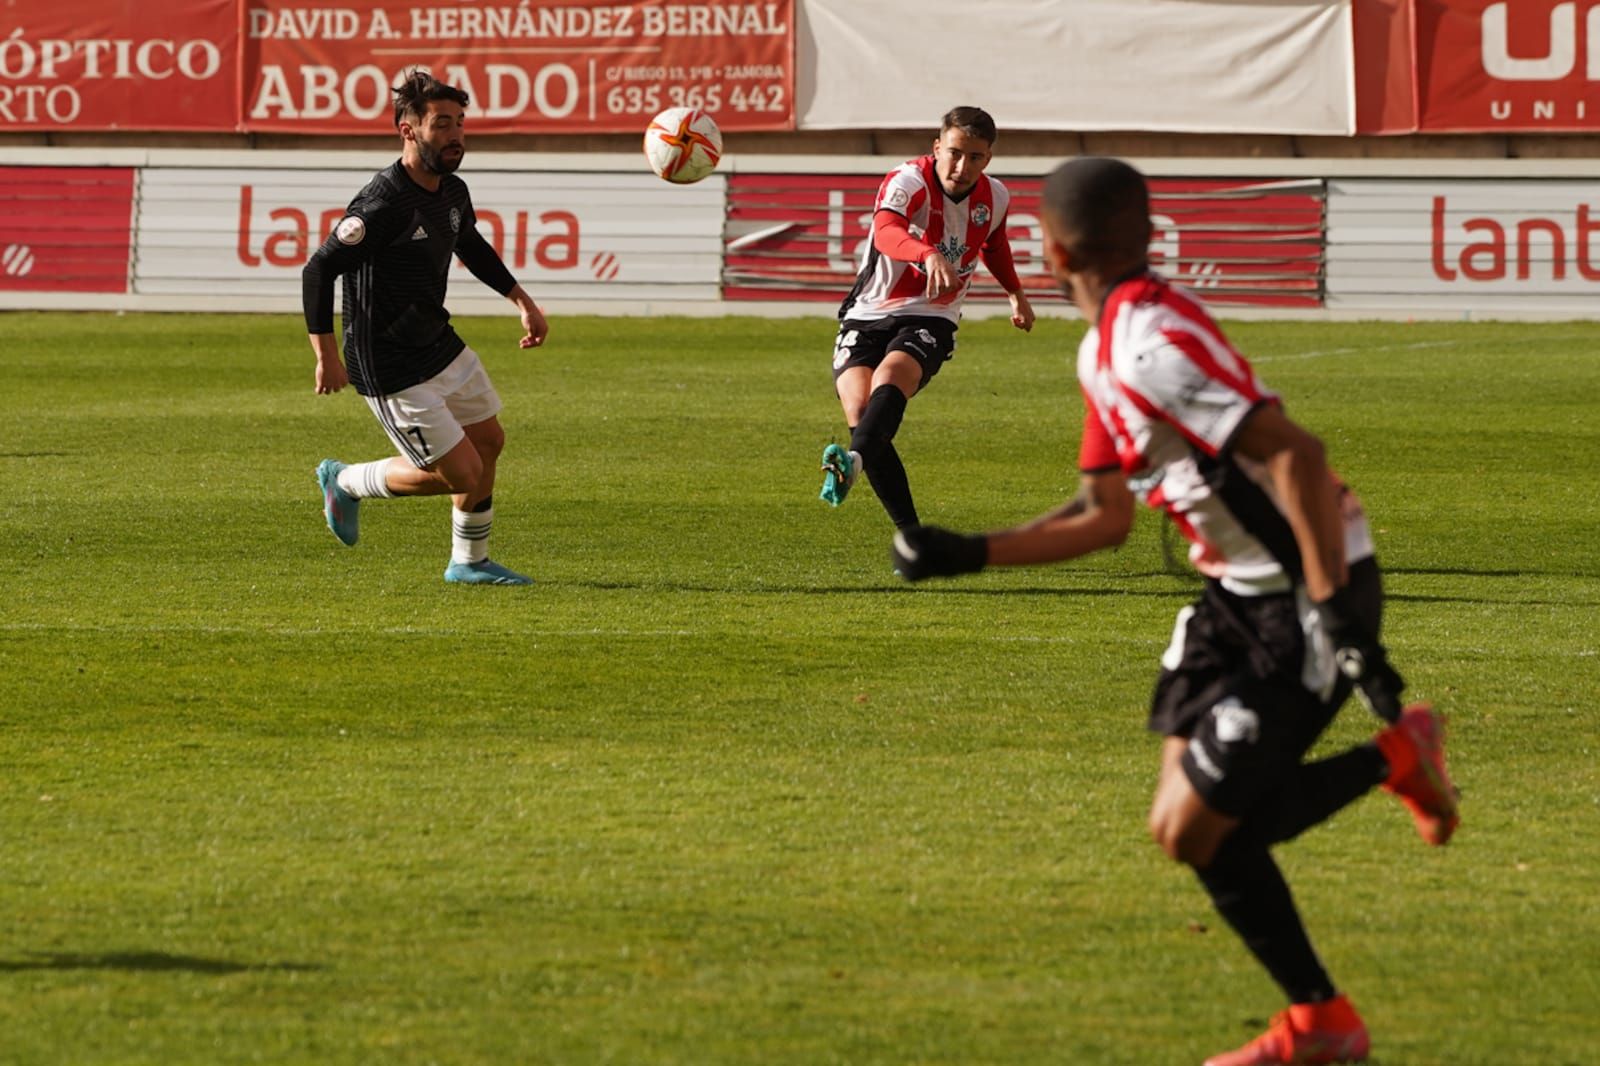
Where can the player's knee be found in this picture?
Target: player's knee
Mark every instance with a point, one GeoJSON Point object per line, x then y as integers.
{"type": "Point", "coordinates": [490, 443]}
{"type": "Point", "coordinates": [1181, 841]}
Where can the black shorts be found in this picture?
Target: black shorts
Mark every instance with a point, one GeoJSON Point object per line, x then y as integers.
{"type": "Point", "coordinates": [930, 341]}
{"type": "Point", "coordinates": [1247, 688]}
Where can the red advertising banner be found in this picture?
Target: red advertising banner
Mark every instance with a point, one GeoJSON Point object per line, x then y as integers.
{"type": "Point", "coordinates": [1236, 241]}
{"type": "Point", "coordinates": [530, 67]}
{"type": "Point", "coordinates": [119, 64]}
{"type": "Point", "coordinates": [65, 229]}
{"type": "Point", "coordinates": [1507, 65]}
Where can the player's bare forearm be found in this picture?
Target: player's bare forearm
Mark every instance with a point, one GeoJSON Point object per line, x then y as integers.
{"type": "Point", "coordinates": [1298, 465]}
{"type": "Point", "coordinates": [331, 374]}
{"type": "Point", "coordinates": [535, 327]}
{"type": "Point", "coordinates": [1098, 517]}
{"type": "Point", "coordinates": [1021, 311]}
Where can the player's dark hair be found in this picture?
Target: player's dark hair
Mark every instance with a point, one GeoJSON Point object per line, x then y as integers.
{"type": "Point", "coordinates": [412, 96]}
{"type": "Point", "coordinates": [1101, 208]}
{"type": "Point", "coordinates": [973, 121]}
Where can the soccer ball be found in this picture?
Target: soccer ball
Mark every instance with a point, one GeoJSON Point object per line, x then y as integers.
{"type": "Point", "coordinates": [682, 144]}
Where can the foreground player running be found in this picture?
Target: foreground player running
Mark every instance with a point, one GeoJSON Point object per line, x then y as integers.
{"type": "Point", "coordinates": [933, 219]}
{"type": "Point", "coordinates": [427, 388]}
{"type": "Point", "coordinates": [1288, 621]}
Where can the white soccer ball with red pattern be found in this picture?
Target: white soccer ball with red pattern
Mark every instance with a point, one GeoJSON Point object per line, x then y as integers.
{"type": "Point", "coordinates": [683, 144]}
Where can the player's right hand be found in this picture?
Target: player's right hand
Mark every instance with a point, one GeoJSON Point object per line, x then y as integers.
{"type": "Point", "coordinates": [928, 551]}
{"type": "Point", "coordinates": [942, 277]}
{"type": "Point", "coordinates": [331, 376]}
{"type": "Point", "coordinates": [1361, 657]}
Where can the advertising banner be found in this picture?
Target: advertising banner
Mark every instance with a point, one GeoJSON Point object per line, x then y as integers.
{"type": "Point", "coordinates": [118, 64]}
{"type": "Point", "coordinates": [1236, 241]}
{"type": "Point", "coordinates": [65, 229]}
{"type": "Point", "coordinates": [1507, 65]}
{"type": "Point", "coordinates": [1473, 245]}
{"type": "Point", "coordinates": [529, 67]}
{"type": "Point", "coordinates": [1268, 66]}
{"type": "Point", "coordinates": [597, 236]}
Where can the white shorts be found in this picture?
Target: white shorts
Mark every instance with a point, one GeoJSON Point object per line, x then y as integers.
{"type": "Point", "coordinates": [426, 420]}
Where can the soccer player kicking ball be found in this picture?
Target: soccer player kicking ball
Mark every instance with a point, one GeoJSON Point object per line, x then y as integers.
{"type": "Point", "coordinates": [1288, 620]}
{"type": "Point", "coordinates": [428, 390]}
{"type": "Point", "coordinates": [934, 218]}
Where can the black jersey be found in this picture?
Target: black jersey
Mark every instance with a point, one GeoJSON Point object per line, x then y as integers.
{"type": "Point", "coordinates": [394, 247]}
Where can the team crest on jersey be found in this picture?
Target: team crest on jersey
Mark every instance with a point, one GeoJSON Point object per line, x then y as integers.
{"type": "Point", "coordinates": [455, 220]}
{"type": "Point", "coordinates": [980, 214]}
{"type": "Point", "coordinates": [351, 230]}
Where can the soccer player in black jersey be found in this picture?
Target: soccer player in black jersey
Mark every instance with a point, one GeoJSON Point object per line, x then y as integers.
{"type": "Point", "coordinates": [428, 390]}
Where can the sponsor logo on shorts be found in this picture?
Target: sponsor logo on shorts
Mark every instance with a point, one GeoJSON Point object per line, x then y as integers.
{"type": "Point", "coordinates": [1236, 723]}
{"type": "Point", "coordinates": [1203, 761]}
{"type": "Point", "coordinates": [351, 230]}
{"type": "Point", "coordinates": [925, 337]}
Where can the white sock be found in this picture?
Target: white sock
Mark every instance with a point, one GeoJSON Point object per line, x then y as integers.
{"type": "Point", "coordinates": [469, 540]}
{"type": "Point", "coordinates": [366, 480]}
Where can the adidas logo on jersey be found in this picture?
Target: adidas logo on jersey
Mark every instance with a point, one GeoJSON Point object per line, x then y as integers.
{"type": "Point", "coordinates": [420, 235]}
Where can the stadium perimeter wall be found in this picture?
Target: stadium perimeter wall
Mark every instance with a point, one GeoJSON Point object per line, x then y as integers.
{"type": "Point", "coordinates": [206, 230]}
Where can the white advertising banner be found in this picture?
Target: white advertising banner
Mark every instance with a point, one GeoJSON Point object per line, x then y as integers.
{"type": "Point", "coordinates": [588, 236]}
{"type": "Point", "coordinates": [1268, 66]}
{"type": "Point", "coordinates": [1480, 246]}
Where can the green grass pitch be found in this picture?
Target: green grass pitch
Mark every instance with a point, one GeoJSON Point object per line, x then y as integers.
{"type": "Point", "coordinates": [719, 788]}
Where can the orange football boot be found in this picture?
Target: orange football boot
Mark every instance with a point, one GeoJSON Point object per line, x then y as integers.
{"type": "Point", "coordinates": [1414, 748]}
{"type": "Point", "coordinates": [1305, 1033]}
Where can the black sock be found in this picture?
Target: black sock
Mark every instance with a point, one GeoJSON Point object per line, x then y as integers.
{"type": "Point", "coordinates": [873, 439]}
{"type": "Point", "coordinates": [1314, 793]}
{"type": "Point", "coordinates": [1249, 891]}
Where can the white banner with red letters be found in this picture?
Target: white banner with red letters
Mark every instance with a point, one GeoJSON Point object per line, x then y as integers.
{"type": "Point", "coordinates": [564, 235]}
{"type": "Point", "coordinates": [1476, 246]}
{"type": "Point", "coordinates": [1269, 66]}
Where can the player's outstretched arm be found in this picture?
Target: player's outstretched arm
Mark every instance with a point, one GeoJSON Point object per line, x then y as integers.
{"type": "Point", "coordinates": [1100, 516]}
{"type": "Point", "coordinates": [535, 327]}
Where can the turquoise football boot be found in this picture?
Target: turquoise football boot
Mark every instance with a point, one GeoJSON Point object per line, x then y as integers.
{"type": "Point", "coordinates": [487, 572]}
{"type": "Point", "coordinates": [839, 469]}
{"type": "Point", "coordinates": [342, 510]}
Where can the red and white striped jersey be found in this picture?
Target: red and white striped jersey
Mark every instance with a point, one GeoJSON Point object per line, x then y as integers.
{"type": "Point", "coordinates": [958, 229]}
{"type": "Point", "coordinates": [1165, 393]}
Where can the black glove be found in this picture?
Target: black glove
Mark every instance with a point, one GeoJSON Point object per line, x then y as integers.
{"type": "Point", "coordinates": [1361, 658]}
{"type": "Point", "coordinates": [927, 551]}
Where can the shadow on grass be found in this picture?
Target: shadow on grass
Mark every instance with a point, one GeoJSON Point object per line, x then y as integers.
{"type": "Point", "coordinates": [898, 589]}
{"type": "Point", "coordinates": [145, 962]}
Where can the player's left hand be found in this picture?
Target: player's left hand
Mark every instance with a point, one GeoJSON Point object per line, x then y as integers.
{"type": "Point", "coordinates": [929, 551]}
{"type": "Point", "coordinates": [534, 325]}
{"type": "Point", "coordinates": [1021, 312]}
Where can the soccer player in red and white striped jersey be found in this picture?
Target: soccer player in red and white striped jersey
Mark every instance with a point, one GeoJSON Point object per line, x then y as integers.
{"type": "Point", "coordinates": [934, 218]}
{"type": "Point", "coordinates": [1287, 624]}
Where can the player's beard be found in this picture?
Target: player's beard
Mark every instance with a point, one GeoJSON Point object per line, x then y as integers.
{"type": "Point", "coordinates": [437, 162]}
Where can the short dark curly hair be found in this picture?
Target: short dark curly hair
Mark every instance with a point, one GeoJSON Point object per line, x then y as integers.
{"type": "Point", "coordinates": [973, 121]}
{"type": "Point", "coordinates": [412, 96]}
